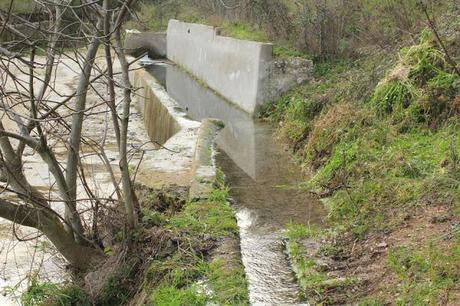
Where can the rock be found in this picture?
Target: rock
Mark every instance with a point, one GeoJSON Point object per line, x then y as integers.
{"type": "Point", "coordinates": [382, 245]}
{"type": "Point", "coordinates": [440, 219]}
{"type": "Point", "coordinates": [284, 74]}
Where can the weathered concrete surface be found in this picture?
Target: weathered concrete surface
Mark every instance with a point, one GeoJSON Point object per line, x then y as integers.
{"type": "Point", "coordinates": [204, 170]}
{"type": "Point", "coordinates": [234, 68]}
{"type": "Point", "coordinates": [242, 71]}
{"type": "Point", "coordinates": [159, 122]}
{"type": "Point", "coordinates": [154, 43]}
{"type": "Point", "coordinates": [167, 124]}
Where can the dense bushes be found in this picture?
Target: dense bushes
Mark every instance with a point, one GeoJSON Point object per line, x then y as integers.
{"type": "Point", "coordinates": [387, 147]}
{"type": "Point", "coordinates": [421, 89]}
{"type": "Point", "coordinates": [320, 28]}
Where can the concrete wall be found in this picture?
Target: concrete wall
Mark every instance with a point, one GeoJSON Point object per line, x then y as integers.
{"type": "Point", "coordinates": [154, 43]}
{"type": "Point", "coordinates": [234, 68]}
{"type": "Point", "coordinates": [158, 121]}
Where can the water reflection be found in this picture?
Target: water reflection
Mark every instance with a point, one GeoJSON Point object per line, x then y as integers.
{"type": "Point", "coordinates": [239, 139]}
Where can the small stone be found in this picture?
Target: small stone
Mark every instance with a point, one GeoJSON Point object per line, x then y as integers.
{"type": "Point", "coordinates": [440, 219]}
{"type": "Point", "coordinates": [382, 244]}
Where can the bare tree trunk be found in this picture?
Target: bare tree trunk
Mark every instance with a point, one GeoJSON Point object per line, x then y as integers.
{"type": "Point", "coordinates": [109, 61]}
{"type": "Point", "coordinates": [45, 220]}
{"type": "Point", "coordinates": [73, 156]}
{"type": "Point", "coordinates": [128, 192]}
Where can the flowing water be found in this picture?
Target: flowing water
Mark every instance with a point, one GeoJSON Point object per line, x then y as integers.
{"type": "Point", "coordinates": [263, 183]}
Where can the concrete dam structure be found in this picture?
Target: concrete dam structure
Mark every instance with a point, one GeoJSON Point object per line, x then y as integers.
{"type": "Point", "coordinates": [232, 67]}
{"type": "Point", "coordinates": [241, 71]}
{"type": "Point", "coordinates": [210, 76]}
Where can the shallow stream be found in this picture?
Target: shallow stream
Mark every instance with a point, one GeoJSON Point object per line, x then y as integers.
{"type": "Point", "coordinates": [263, 181]}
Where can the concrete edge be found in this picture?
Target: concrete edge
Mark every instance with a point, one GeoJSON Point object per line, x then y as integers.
{"type": "Point", "coordinates": [204, 168]}
{"type": "Point", "coordinates": [174, 109]}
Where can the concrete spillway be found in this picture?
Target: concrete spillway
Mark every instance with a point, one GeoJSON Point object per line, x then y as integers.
{"type": "Point", "coordinates": [263, 184]}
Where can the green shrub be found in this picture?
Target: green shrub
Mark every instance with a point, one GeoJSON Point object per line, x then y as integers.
{"type": "Point", "coordinates": [394, 95]}
{"type": "Point", "coordinates": [46, 293]}
{"type": "Point", "coordinates": [424, 59]}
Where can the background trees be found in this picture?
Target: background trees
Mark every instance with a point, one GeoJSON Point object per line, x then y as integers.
{"type": "Point", "coordinates": [319, 28]}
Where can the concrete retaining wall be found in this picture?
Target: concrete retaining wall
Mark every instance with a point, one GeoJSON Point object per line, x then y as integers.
{"type": "Point", "coordinates": [234, 68]}
{"type": "Point", "coordinates": [204, 170]}
{"type": "Point", "coordinates": [158, 121]}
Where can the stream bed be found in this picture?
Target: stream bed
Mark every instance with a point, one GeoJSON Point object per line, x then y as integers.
{"type": "Point", "coordinates": [263, 182]}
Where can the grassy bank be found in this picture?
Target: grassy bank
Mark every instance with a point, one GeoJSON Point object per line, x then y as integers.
{"type": "Point", "coordinates": [184, 253]}
{"type": "Point", "coordinates": [381, 137]}
{"type": "Point", "coordinates": [197, 273]}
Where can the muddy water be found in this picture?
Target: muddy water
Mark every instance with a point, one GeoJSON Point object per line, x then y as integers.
{"type": "Point", "coordinates": [263, 183]}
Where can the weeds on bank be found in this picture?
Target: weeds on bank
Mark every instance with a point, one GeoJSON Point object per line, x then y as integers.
{"type": "Point", "coordinates": [213, 217]}
{"type": "Point", "coordinates": [426, 274]}
{"type": "Point", "coordinates": [384, 150]}
{"type": "Point", "coordinates": [187, 277]}
{"type": "Point", "coordinates": [312, 279]}
{"type": "Point", "coordinates": [46, 293]}
{"type": "Point", "coordinates": [381, 135]}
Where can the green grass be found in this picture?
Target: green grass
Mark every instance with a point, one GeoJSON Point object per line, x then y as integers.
{"type": "Point", "coordinates": [298, 231]}
{"type": "Point", "coordinates": [176, 280]}
{"type": "Point", "coordinates": [242, 30]}
{"type": "Point", "coordinates": [383, 176]}
{"type": "Point", "coordinates": [312, 280]}
{"type": "Point", "coordinates": [228, 283]}
{"type": "Point", "coordinates": [212, 218]}
{"type": "Point", "coordinates": [47, 293]}
{"type": "Point", "coordinates": [393, 96]}
{"type": "Point", "coordinates": [426, 274]}
{"type": "Point", "coordinates": [172, 296]}
{"type": "Point", "coordinates": [183, 281]}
